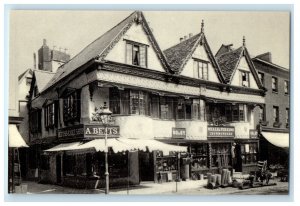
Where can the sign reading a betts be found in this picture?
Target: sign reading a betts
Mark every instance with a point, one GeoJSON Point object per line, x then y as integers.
{"type": "Point", "coordinates": [213, 131]}
{"type": "Point", "coordinates": [98, 131]}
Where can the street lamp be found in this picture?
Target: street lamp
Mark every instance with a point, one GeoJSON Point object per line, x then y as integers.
{"type": "Point", "coordinates": [105, 115]}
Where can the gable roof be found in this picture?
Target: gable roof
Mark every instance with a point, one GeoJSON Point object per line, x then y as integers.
{"type": "Point", "coordinates": [24, 74]}
{"type": "Point", "coordinates": [229, 62]}
{"type": "Point", "coordinates": [99, 48]}
{"type": "Point", "coordinates": [179, 54]}
{"type": "Point", "coordinates": [42, 78]}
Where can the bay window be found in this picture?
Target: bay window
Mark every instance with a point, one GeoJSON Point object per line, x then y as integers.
{"type": "Point", "coordinates": [155, 106]}
{"type": "Point", "coordinates": [118, 101]}
{"type": "Point", "coordinates": [71, 106]}
{"type": "Point", "coordinates": [50, 115]}
{"type": "Point", "coordinates": [166, 108]}
{"type": "Point", "coordinates": [139, 103]}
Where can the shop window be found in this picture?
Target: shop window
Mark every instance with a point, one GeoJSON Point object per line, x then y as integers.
{"type": "Point", "coordinates": [136, 54]}
{"type": "Point", "coordinates": [199, 154]}
{"type": "Point", "coordinates": [275, 114]}
{"type": "Point", "coordinates": [71, 106]}
{"type": "Point", "coordinates": [286, 87]}
{"type": "Point", "coordinates": [50, 115]}
{"type": "Point", "coordinates": [139, 103]}
{"type": "Point", "coordinates": [221, 155]}
{"type": "Point", "coordinates": [245, 82]}
{"type": "Point", "coordinates": [166, 162]}
{"type": "Point", "coordinates": [261, 76]}
{"type": "Point", "coordinates": [201, 69]}
{"type": "Point", "coordinates": [35, 121]}
{"type": "Point", "coordinates": [249, 153]}
{"type": "Point", "coordinates": [154, 106]}
{"type": "Point", "coordinates": [274, 84]}
{"type": "Point", "coordinates": [166, 108]}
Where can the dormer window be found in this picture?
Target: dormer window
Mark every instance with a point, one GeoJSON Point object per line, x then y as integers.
{"type": "Point", "coordinates": [245, 79]}
{"type": "Point", "coordinates": [136, 54]}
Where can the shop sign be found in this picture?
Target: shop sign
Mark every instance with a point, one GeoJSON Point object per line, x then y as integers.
{"type": "Point", "coordinates": [253, 133]}
{"type": "Point", "coordinates": [178, 133]}
{"type": "Point", "coordinates": [70, 132]}
{"type": "Point", "coordinates": [214, 131]}
{"type": "Point", "coordinates": [98, 131]}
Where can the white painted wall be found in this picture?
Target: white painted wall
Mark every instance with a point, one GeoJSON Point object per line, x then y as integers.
{"type": "Point", "coordinates": [243, 65]}
{"type": "Point", "coordinates": [137, 34]}
{"type": "Point", "coordinates": [200, 53]}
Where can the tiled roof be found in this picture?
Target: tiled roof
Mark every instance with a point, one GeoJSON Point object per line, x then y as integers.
{"type": "Point", "coordinates": [176, 55]}
{"type": "Point", "coordinates": [228, 62]}
{"type": "Point", "coordinates": [42, 78]}
{"type": "Point", "coordinates": [93, 50]}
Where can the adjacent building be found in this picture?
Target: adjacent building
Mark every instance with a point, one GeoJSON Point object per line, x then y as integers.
{"type": "Point", "coordinates": [274, 116]}
{"type": "Point", "coordinates": [183, 96]}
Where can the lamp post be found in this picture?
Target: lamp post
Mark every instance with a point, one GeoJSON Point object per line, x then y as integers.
{"type": "Point", "coordinates": [105, 115]}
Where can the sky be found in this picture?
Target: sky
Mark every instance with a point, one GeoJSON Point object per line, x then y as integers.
{"type": "Point", "coordinates": [264, 32]}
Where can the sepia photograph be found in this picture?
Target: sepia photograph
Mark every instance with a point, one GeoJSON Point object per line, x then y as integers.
{"type": "Point", "coordinates": [133, 102]}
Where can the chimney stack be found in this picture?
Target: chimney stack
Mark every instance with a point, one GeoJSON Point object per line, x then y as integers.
{"type": "Point", "coordinates": [44, 42]}
{"type": "Point", "coordinates": [190, 35]}
{"type": "Point", "coordinates": [181, 39]}
{"type": "Point", "coordinates": [185, 37]}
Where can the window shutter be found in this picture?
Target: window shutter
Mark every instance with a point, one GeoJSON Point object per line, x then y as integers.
{"type": "Point", "coordinates": [143, 53]}
{"type": "Point", "coordinates": [128, 53]}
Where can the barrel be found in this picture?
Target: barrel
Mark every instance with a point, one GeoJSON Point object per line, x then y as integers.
{"type": "Point", "coordinates": [218, 181]}
{"type": "Point", "coordinates": [208, 178]}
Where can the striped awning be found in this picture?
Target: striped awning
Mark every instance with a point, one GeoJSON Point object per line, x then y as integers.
{"type": "Point", "coordinates": [277, 139]}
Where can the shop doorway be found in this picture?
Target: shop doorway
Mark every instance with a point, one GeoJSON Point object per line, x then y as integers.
{"type": "Point", "coordinates": [146, 166]}
{"type": "Point", "coordinates": [58, 169]}
{"type": "Point", "coordinates": [238, 158]}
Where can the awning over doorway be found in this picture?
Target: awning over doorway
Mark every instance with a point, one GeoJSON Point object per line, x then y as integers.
{"type": "Point", "coordinates": [151, 145]}
{"type": "Point", "coordinates": [277, 139]}
{"type": "Point", "coordinates": [14, 137]}
{"type": "Point", "coordinates": [64, 147]}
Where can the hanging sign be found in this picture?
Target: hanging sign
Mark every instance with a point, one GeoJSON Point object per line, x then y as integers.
{"type": "Point", "coordinates": [214, 131]}
{"type": "Point", "coordinates": [178, 133]}
{"type": "Point", "coordinates": [98, 131]}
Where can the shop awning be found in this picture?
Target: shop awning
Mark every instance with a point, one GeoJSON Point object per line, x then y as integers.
{"type": "Point", "coordinates": [15, 139]}
{"type": "Point", "coordinates": [64, 147]}
{"type": "Point", "coordinates": [151, 145]}
{"type": "Point", "coordinates": [99, 145]}
{"type": "Point", "coordinates": [277, 139]}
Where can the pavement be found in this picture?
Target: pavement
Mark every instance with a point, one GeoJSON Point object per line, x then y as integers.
{"type": "Point", "coordinates": [191, 187]}
{"type": "Point", "coordinates": [145, 188]}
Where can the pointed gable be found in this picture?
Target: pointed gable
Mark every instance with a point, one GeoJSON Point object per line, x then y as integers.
{"type": "Point", "coordinates": [235, 61]}
{"type": "Point", "coordinates": [139, 36]}
{"type": "Point", "coordinates": [181, 57]}
{"type": "Point", "coordinates": [101, 47]}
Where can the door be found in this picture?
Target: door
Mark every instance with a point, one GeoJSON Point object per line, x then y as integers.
{"type": "Point", "coordinates": [146, 166]}
{"type": "Point", "coordinates": [238, 158]}
{"type": "Point", "coordinates": [58, 169]}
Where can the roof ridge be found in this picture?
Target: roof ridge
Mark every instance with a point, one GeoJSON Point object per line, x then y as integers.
{"type": "Point", "coordinates": [182, 42]}
{"type": "Point", "coordinates": [97, 39]}
{"type": "Point", "coordinates": [233, 50]}
{"type": "Point", "coordinates": [276, 65]}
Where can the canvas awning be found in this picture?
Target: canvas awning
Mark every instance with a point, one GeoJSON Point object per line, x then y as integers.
{"type": "Point", "coordinates": [277, 139]}
{"type": "Point", "coordinates": [151, 145]}
{"type": "Point", "coordinates": [114, 144]}
{"type": "Point", "coordinates": [64, 147]}
{"type": "Point", "coordinates": [14, 137]}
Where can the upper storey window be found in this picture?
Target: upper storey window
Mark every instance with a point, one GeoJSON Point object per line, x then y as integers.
{"type": "Point", "coordinates": [136, 54]}
{"type": "Point", "coordinates": [71, 106]}
{"type": "Point", "coordinates": [200, 69]}
{"type": "Point", "coordinates": [274, 84]}
{"type": "Point", "coordinates": [245, 82]}
{"type": "Point", "coordinates": [261, 76]}
{"type": "Point", "coordinates": [286, 87]}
